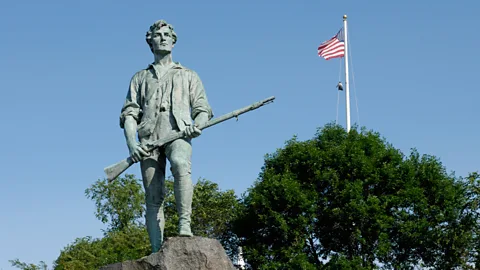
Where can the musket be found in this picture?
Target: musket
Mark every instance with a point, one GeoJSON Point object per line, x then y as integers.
{"type": "Point", "coordinates": [114, 170]}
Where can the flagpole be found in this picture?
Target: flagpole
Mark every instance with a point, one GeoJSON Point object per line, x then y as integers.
{"type": "Point", "coordinates": [347, 84]}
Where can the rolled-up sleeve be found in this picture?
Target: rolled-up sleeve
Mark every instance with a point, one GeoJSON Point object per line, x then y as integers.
{"type": "Point", "coordinates": [198, 97]}
{"type": "Point", "coordinates": [132, 107]}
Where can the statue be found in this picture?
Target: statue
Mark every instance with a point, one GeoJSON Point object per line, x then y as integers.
{"type": "Point", "coordinates": [162, 98]}
{"type": "Point", "coordinates": [165, 107]}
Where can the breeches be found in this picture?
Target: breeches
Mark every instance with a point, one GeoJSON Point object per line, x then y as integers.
{"type": "Point", "coordinates": [178, 153]}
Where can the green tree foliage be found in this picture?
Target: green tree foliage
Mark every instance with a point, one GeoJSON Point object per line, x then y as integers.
{"type": "Point", "coordinates": [26, 266]}
{"type": "Point", "coordinates": [471, 216]}
{"type": "Point", "coordinates": [356, 202]}
{"type": "Point", "coordinates": [88, 253]}
{"type": "Point", "coordinates": [120, 205]}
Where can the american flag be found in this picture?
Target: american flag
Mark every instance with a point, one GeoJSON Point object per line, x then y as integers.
{"type": "Point", "coordinates": [334, 47]}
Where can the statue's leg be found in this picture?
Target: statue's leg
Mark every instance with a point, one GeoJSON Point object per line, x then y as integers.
{"type": "Point", "coordinates": [153, 173]}
{"type": "Point", "coordinates": [179, 153]}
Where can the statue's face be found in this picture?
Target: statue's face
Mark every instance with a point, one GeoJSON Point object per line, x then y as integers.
{"type": "Point", "coordinates": [162, 40]}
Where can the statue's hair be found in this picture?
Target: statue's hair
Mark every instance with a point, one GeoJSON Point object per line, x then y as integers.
{"type": "Point", "coordinates": [157, 25]}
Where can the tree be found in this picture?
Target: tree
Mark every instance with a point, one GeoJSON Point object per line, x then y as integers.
{"type": "Point", "coordinates": [471, 216]}
{"type": "Point", "coordinates": [87, 253]}
{"type": "Point", "coordinates": [25, 266]}
{"type": "Point", "coordinates": [120, 205]}
{"type": "Point", "coordinates": [353, 201]}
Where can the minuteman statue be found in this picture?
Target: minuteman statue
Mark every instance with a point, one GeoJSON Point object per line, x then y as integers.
{"type": "Point", "coordinates": [162, 98]}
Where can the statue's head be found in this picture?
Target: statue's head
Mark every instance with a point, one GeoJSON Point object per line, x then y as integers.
{"type": "Point", "coordinates": [158, 31]}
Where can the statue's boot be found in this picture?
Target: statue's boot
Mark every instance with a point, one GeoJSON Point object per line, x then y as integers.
{"type": "Point", "coordinates": [183, 189]}
{"type": "Point", "coordinates": [155, 221]}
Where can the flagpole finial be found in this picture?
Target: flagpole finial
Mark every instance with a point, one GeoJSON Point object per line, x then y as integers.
{"type": "Point", "coordinates": [345, 17]}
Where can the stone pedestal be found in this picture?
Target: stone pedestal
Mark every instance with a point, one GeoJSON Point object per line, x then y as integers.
{"type": "Point", "coordinates": [181, 253]}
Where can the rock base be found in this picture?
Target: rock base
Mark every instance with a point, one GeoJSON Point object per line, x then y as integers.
{"type": "Point", "coordinates": [179, 253]}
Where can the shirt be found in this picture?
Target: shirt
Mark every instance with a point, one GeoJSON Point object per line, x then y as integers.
{"type": "Point", "coordinates": [180, 90]}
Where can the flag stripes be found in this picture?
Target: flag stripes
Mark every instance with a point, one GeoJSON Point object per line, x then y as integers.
{"type": "Point", "coordinates": [334, 47]}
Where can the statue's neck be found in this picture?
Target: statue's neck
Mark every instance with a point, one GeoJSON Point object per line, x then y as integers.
{"type": "Point", "coordinates": [164, 60]}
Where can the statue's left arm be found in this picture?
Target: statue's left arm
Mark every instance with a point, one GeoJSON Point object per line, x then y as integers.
{"type": "Point", "coordinates": [201, 111]}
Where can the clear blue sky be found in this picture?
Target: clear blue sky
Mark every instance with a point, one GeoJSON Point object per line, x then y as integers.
{"type": "Point", "coordinates": [65, 67]}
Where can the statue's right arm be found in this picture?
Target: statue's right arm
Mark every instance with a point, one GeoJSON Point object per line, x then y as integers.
{"type": "Point", "coordinates": [131, 112]}
{"type": "Point", "coordinates": [130, 130]}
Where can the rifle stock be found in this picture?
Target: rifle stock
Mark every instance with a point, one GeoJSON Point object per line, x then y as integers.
{"type": "Point", "coordinates": [114, 170]}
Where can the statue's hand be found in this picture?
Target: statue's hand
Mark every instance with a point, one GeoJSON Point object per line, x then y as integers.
{"type": "Point", "coordinates": [192, 131]}
{"type": "Point", "coordinates": [137, 151]}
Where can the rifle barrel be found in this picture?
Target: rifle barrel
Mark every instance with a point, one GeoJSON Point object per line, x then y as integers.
{"type": "Point", "coordinates": [236, 113]}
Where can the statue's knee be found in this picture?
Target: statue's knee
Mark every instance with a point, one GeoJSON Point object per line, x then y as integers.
{"type": "Point", "coordinates": [153, 199]}
{"type": "Point", "coordinates": [180, 166]}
